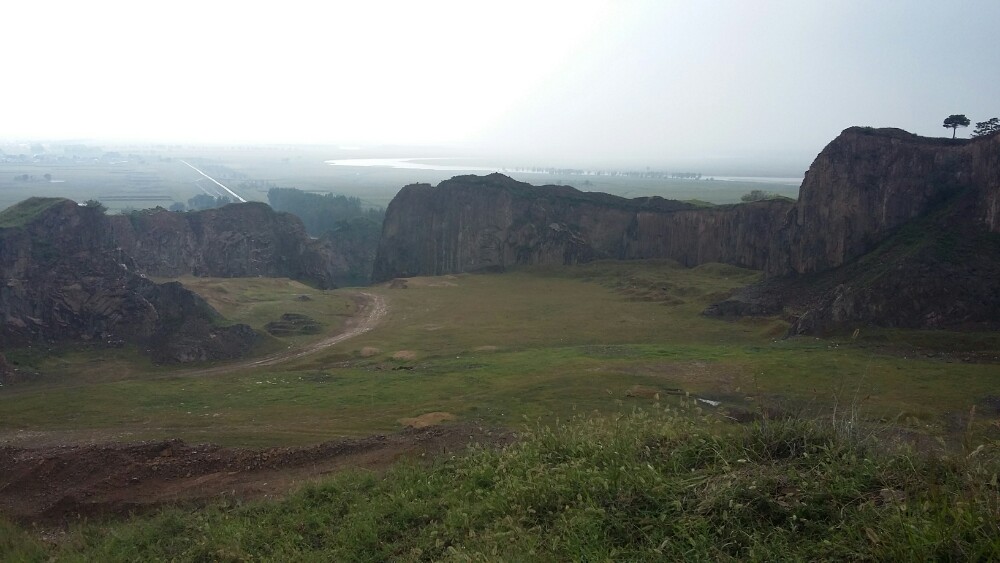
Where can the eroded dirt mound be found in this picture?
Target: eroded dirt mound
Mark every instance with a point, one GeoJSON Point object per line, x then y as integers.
{"type": "Point", "coordinates": [293, 324]}
{"type": "Point", "coordinates": [427, 419]}
{"type": "Point", "coordinates": [51, 485]}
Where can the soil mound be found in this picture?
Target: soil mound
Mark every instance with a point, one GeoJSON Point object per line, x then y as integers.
{"type": "Point", "coordinates": [428, 419]}
{"type": "Point", "coordinates": [293, 324]}
{"type": "Point", "coordinates": [51, 485]}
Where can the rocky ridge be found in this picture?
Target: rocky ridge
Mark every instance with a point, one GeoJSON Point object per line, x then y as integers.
{"type": "Point", "coordinates": [925, 212]}
{"type": "Point", "coordinates": [66, 279]}
{"type": "Point", "coordinates": [475, 223]}
{"type": "Point", "coordinates": [237, 240]}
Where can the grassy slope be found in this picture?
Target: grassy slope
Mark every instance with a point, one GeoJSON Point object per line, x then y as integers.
{"type": "Point", "coordinates": [668, 483]}
{"type": "Point", "coordinates": [658, 484]}
{"type": "Point", "coordinates": [26, 210]}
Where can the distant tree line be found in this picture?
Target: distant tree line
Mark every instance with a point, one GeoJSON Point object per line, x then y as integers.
{"type": "Point", "coordinates": [200, 202]}
{"type": "Point", "coordinates": [760, 195]}
{"type": "Point", "coordinates": [323, 213]}
{"type": "Point", "coordinates": [344, 222]}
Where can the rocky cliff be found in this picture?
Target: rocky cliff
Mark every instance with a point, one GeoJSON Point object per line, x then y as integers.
{"type": "Point", "coordinates": [867, 183]}
{"type": "Point", "coordinates": [65, 279]}
{"type": "Point", "coordinates": [237, 240]}
{"type": "Point", "coordinates": [845, 254]}
{"type": "Point", "coordinates": [472, 223]}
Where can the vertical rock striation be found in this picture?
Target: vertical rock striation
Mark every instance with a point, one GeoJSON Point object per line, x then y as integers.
{"type": "Point", "coordinates": [869, 182]}
{"type": "Point", "coordinates": [65, 279]}
{"type": "Point", "coordinates": [237, 240]}
{"type": "Point", "coordinates": [472, 223]}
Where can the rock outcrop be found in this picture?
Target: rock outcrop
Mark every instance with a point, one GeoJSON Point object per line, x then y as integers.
{"type": "Point", "coordinates": [65, 279]}
{"type": "Point", "coordinates": [472, 223]}
{"type": "Point", "coordinates": [867, 183]}
{"type": "Point", "coordinates": [237, 240]}
{"type": "Point", "coordinates": [890, 229]}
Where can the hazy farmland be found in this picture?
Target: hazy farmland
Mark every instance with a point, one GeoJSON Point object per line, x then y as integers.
{"type": "Point", "coordinates": [142, 176]}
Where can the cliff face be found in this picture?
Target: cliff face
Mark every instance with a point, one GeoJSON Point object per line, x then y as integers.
{"type": "Point", "coordinates": [238, 240]}
{"type": "Point", "coordinates": [869, 182]}
{"type": "Point", "coordinates": [890, 229]}
{"type": "Point", "coordinates": [65, 279]}
{"type": "Point", "coordinates": [474, 223]}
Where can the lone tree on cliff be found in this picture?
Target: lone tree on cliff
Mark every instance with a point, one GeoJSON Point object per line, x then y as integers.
{"type": "Point", "coordinates": [987, 127]}
{"type": "Point", "coordinates": [956, 121]}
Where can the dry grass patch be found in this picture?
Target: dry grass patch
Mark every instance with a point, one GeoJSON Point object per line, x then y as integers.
{"type": "Point", "coordinates": [486, 348]}
{"type": "Point", "coordinates": [405, 355]}
{"type": "Point", "coordinates": [369, 351]}
{"type": "Point", "coordinates": [427, 419]}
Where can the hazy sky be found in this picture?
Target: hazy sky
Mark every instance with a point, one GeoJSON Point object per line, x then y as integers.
{"type": "Point", "coordinates": [586, 83]}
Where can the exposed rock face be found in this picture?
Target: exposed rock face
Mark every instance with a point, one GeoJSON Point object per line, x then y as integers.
{"type": "Point", "coordinates": [841, 256]}
{"type": "Point", "coordinates": [238, 240]}
{"type": "Point", "coordinates": [869, 182]}
{"type": "Point", "coordinates": [474, 223]}
{"type": "Point", "coordinates": [890, 230]}
{"type": "Point", "coordinates": [65, 279]}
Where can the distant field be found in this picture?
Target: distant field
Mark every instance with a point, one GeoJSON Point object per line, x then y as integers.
{"type": "Point", "coordinates": [153, 177]}
{"type": "Point", "coordinates": [506, 348]}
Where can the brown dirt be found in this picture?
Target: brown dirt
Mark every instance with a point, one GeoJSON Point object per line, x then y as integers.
{"type": "Point", "coordinates": [371, 310]}
{"type": "Point", "coordinates": [52, 485]}
{"type": "Point", "coordinates": [428, 419]}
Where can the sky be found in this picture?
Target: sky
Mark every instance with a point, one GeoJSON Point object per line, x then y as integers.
{"type": "Point", "coordinates": [730, 83]}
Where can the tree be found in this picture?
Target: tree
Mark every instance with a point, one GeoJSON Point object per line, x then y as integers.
{"type": "Point", "coordinates": [177, 207]}
{"type": "Point", "coordinates": [987, 127]}
{"type": "Point", "coordinates": [94, 204]}
{"type": "Point", "coordinates": [954, 122]}
{"type": "Point", "coordinates": [758, 195]}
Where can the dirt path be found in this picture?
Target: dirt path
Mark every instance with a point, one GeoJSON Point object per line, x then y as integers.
{"type": "Point", "coordinates": [55, 484]}
{"type": "Point", "coordinates": [50, 484]}
{"type": "Point", "coordinates": [371, 310]}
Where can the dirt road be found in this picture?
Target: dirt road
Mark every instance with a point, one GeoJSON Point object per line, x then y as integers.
{"type": "Point", "coordinates": [372, 309]}
{"type": "Point", "coordinates": [51, 484]}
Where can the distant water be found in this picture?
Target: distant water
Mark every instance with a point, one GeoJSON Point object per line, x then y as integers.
{"type": "Point", "coordinates": [761, 179]}
{"type": "Point", "coordinates": [423, 163]}
{"type": "Point", "coordinates": [410, 164]}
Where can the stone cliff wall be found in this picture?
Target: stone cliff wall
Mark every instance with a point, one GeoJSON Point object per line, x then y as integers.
{"type": "Point", "coordinates": [238, 240]}
{"type": "Point", "coordinates": [65, 279]}
{"type": "Point", "coordinates": [864, 186]}
{"type": "Point", "coordinates": [474, 223]}
{"type": "Point", "coordinates": [869, 182]}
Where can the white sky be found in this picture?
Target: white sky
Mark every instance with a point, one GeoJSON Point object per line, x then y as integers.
{"type": "Point", "coordinates": [579, 82]}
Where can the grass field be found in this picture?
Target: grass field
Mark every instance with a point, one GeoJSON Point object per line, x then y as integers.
{"type": "Point", "coordinates": [600, 368]}
{"type": "Point", "coordinates": [534, 343]}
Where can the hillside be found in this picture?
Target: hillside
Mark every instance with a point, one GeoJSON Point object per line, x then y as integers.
{"type": "Point", "coordinates": [66, 280]}
{"type": "Point", "coordinates": [237, 240]}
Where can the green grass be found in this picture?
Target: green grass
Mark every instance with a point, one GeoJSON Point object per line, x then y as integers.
{"type": "Point", "coordinates": [657, 484]}
{"type": "Point", "coordinates": [547, 344]}
{"type": "Point", "coordinates": [28, 209]}
{"type": "Point", "coordinates": [541, 343]}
